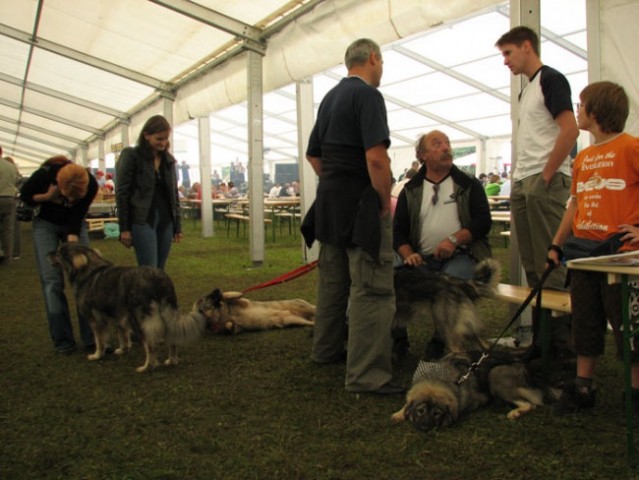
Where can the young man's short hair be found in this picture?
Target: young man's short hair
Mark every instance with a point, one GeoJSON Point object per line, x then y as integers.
{"type": "Point", "coordinates": [519, 35]}
{"type": "Point", "coordinates": [609, 103]}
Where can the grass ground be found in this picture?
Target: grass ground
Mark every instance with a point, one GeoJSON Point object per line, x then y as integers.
{"type": "Point", "coordinates": [253, 406]}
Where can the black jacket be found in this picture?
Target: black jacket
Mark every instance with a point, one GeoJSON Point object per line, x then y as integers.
{"type": "Point", "coordinates": [472, 207]}
{"type": "Point", "coordinates": [135, 184]}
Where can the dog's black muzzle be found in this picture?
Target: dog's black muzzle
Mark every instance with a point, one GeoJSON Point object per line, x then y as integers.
{"type": "Point", "coordinates": [426, 416]}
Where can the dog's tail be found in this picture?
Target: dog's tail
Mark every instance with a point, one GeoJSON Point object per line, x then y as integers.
{"type": "Point", "coordinates": [486, 278]}
{"type": "Point", "coordinates": [186, 328]}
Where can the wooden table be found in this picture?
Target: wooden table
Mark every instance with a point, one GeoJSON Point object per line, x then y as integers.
{"type": "Point", "coordinates": [102, 208]}
{"type": "Point", "coordinates": [220, 205]}
{"type": "Point", "coordinates": [501, 216]}
{"type": "Point", "coordinates": [620, 268]}
{"type": "Point", "coordinates": [284, 208]}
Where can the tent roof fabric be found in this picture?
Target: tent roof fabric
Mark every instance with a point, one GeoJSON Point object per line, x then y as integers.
{"type": "Point", "coordinates": [73, 72]}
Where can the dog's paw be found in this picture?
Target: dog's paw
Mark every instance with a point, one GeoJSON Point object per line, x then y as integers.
{"type": "Point", "coordinates": [519, 411]}
{"type": "Point", "coordinates": [120, 351]}
{"type": "Point", "coordinates": [94, 356]}
{"type": "Point", "coordinates": [398, 416]}
{"type": "Point", "coordinates": [171, 361]}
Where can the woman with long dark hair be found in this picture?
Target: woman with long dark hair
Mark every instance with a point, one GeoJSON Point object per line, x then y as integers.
{"type": "Point", "coordinates": [146, 195]}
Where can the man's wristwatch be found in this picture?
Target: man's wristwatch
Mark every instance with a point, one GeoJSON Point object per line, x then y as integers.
{"type": "Point", "coordinates": [453, 239]}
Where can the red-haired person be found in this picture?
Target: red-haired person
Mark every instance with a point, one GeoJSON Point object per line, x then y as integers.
{"type": "Point", "coordinates": [63, 192]}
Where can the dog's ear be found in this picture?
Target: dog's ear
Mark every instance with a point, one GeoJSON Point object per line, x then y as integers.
{"type": "Point", "coordinates": [216, 297]}
{"type": "Point", "coordinates": [231, 295]}
{"type": "Point", "coordinates": [79, 261]}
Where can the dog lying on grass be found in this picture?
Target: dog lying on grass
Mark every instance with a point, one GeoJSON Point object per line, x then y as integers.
{"type": "Point", "coordinates": [139, 300]}
{"type": "Point", "coordinates": [230, 312]}
{"type": "Point", "coordinates": [436, 400]}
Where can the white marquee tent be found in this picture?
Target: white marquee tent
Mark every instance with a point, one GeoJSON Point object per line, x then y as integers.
{"type": "Point", "coordinates": [80, 77]}
{"type": "Point", "coordinates": [76, 71]}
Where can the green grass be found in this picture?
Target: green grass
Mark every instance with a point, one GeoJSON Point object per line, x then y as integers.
{"type": "Point", "coordinates": [253, 406]}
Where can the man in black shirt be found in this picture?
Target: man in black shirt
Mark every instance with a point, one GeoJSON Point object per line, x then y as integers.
{"type": "Point", "coordinates": [351, 218]}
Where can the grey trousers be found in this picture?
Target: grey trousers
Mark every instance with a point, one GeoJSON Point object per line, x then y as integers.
{"type": "Point", "coordinates": [537, 212]}
{"type": "Point", "coordinates": [350, 279]}
{"type": "Point", "coordinates": [7, 224]}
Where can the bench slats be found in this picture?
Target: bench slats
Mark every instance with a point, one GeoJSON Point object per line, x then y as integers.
{"type": "Point", "coordinates": [97, 224]}
{"type": "Point", "coordinates": [550, 299]}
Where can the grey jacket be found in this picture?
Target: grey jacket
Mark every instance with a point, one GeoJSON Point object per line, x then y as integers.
{"type": "Point", "coordinates": [472, 207]}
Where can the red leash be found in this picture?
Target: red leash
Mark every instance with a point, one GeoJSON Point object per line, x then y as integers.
{"type": "Point", "coordinates": [298, 272]}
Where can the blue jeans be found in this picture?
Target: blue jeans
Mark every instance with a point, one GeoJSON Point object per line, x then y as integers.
{"type": "Point", "coordinates": [46, 238]}
{"type": "Point", "coordinates": [152, 243]}
{"type": "Point", "coordinates": [461, 265]}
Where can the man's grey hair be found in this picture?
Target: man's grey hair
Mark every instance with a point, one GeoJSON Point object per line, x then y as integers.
{"type": "Point", "coordinates": [420, 148]}
{"type": "Point", "coordinates": [358, 52]}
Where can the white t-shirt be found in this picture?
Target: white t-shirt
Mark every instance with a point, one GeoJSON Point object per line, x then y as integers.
{"type": "Point", "coordinates": [439, 220]}
{"type": "Point", "coordinates": [274, 192]}
{"type": "Point", "coordinates": [537, 130]}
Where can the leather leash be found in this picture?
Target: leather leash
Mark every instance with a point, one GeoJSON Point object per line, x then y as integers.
{"type": "Point", "coordinates": [298, 272]}
{"type": "Point", "coordinates": [535, 292]}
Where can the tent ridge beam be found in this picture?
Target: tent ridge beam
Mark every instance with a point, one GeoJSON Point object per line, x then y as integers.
{"type": "Point", "coordinates": [449, 71]}
{"type": "Point", "coordinates": [84, 58]}
{"type": "Point", "coordinates": [35, 139]}
{"type": "Point", "coordinates": [212, 18]}
{"type": "Point", "coordinates": [39, 129]}
{"type": "Point", "coordinates": [63, 96]}
{"type": "Point", "coordinates": [49, 116]}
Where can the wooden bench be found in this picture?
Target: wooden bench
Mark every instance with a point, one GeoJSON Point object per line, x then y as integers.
{"type": "Point", "coordinates": [239, 218]}
{"type": "Point", "coordinates": [285, 217]}
{"type": "Point", "coordinates": [553, 303]}
{"type": "Point", "coordinates": [506, 235]}
{"type": "Point", "coordinates": [97, 224]}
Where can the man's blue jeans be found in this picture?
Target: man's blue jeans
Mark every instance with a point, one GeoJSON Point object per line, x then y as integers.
{"type": "Point", "coordinates": [461, 265]}
{"type": "Point", "coordinates": [46, 238]}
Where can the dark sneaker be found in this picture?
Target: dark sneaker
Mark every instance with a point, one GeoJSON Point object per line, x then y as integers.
{"type": "Point", "coordinates": [339, 358]}
{"type": "Point", "coordinates": [65, 350]}
{"type": "Point", "coordinates": [573, 400]}
{"type": "Point", "coordinates": [389, 388]}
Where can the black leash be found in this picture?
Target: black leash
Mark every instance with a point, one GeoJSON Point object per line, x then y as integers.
{"type": "Point", "coordinates": [535, 292]}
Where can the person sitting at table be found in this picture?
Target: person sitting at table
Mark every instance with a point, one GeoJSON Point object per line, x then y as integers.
{"type": "Point", "coordinates": [286, 191]}
{"type": "Point", "coordinates": [504, 191]}
{"type": "Point", "coordinates": [441, 221]}
{"type": "Point", "coordinates": [195, 192]}
{"type": "Point", "coordinates": [109, 184]}
{"type": "Point", "coordinates": [493, 187]}
{"type": "Point", "coordinates": [232, 192]}
{"type": "Point", "coordinates": [274, 192]}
